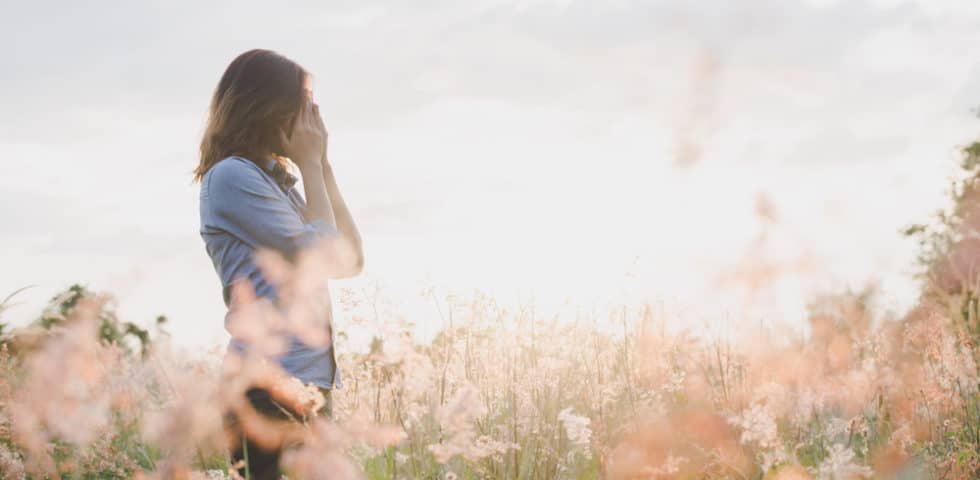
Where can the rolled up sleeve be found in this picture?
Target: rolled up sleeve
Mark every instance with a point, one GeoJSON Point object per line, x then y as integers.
{"type": "Point", "coordinates": [246, 203]}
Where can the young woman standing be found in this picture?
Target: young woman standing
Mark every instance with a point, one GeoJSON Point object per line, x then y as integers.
{"type": "Point", "coordinates": [262, 113]}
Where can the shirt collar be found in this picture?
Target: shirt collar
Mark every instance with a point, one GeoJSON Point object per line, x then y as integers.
{"type": "Point", "coordinates": [279, 173]}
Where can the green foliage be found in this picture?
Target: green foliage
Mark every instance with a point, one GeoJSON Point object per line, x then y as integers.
{"type": "Point", "coordinates": [119, 454]}
{"type": "Point", "coordinates": [112, 331]}
{"type": "Point", "coordinates": [958, 440]}
{"type": "Point", "coordinates": [949, 225]}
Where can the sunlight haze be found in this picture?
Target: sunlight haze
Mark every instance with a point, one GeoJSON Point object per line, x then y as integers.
{"type": "Point", "coordinates": [553, 151]}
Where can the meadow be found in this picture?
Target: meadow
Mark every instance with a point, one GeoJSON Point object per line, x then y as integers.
{"type": "Point", "coordinates": [503, 391]}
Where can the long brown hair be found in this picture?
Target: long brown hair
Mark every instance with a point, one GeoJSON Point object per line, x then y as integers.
{"type": "Point", "coordinates": [260, 92]}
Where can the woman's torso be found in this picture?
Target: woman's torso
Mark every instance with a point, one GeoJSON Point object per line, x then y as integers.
{"type": "Point", "coordinates": [231, 244]}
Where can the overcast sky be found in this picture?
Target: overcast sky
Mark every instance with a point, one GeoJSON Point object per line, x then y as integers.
{"type": "Point", "coordinates": [613, 150]}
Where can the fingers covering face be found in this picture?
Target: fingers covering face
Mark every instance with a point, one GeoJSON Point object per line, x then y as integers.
{"type": "Point", "coordinates": [317, 118]}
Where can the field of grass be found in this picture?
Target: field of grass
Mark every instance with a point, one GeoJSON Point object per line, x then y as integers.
{"type": "Point", "coordinates": [504, 392]}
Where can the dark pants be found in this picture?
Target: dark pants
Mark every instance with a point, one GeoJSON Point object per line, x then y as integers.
{"type": "Point", "coordinates": [264, 464]}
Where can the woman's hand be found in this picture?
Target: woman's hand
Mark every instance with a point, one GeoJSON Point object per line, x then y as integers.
{"type": "Point", "coordinates": [307, 144]}
{"type": "Point", "coordinates": [323, 158]}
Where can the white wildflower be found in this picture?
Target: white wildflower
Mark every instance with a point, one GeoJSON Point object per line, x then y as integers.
{"type": "Point", "coordinates": [670, 467]}
{"type": "Point", "coordinates": [577, 429]}
{"type": "Point", "coordinates": [758, 427]}
{"type": "Point", "coordinates": [675, 383]}
{"type": "Point", "coordinates": [839, 465]}
{"type": "Point", "coordinates": [457, 418]}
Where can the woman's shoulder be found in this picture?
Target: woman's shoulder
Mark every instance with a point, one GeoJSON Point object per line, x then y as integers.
{"type": "Point", "coordinates": [232, 164]}
{"type": "Point", "coordinates": [233, 169]}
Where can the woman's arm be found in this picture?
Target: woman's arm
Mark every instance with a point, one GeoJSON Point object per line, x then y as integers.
{"type": "Point", "coordinates": [345, 223]}
{"type": "Point", "coordinates": [350, 238]}
{"type": "Point", "coordinates": [318, 205]}
{"type": "Point", "coordinates": [324, 202]}
{"type": "Point", "coordinates": [307, 147]}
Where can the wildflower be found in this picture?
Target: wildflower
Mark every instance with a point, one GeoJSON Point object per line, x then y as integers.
{"type": "Point", "coordinates": [323, 451]}
{"type": "Point", "coordinates": [190, 415]}
{"type": "Point", "coordinates": [11, 465]}
{"type": "Point", "coordinates": [670, 467]}
{"type": "Point", "coordinates": [577, 429]}
{"type": "Point", "coordinates": [839, 465]}
{"type": "Point", "coordinates": [456, 419]}
{"type": "Point", "coordinates": [758, 426]}
{"type": "Point", "coordinates": [61, 397]}
{"type": "Point", "coordinates": [791, 472]}
{"type": "Point", "coordinates": [675, 383]}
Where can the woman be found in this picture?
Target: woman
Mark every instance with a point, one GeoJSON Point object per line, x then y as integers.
{"type": "Point", "coordinates": [262, 113]}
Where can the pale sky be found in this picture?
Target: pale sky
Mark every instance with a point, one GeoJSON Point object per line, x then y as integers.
{"type": "Point", "coordinates": [596, 151]}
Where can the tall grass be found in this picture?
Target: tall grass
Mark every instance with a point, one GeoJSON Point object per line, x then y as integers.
{"type": "Point", "coordinates": [504, 392]}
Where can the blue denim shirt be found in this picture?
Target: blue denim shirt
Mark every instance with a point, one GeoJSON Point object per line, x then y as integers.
{"type": "Point", "coordinates": [244, 207]}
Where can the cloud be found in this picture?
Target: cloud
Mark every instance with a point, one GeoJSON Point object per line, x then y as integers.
{"type": "Point", "coordinates": [383, 57]}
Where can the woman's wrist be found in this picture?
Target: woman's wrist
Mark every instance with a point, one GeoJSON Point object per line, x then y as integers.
{"type": "Point", "coordinates": [308, 166]}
